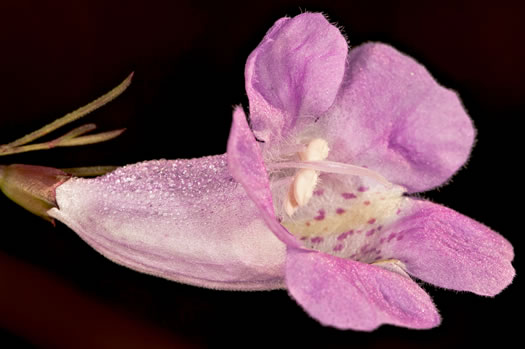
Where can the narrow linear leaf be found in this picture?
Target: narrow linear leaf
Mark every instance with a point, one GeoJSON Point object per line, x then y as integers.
{"type": "Point", "coordinates": [75, 115]}
{"type": "Point", "coordinates": [91, 139]}
{"type": "Point", "coordinates": [96, 138]}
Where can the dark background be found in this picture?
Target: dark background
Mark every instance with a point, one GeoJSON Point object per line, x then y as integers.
{"type": "Point", "coordinates": [188, 58]}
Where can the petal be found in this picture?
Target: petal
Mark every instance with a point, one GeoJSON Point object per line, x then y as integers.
{"type": "Point", "coordinates": [350, 295]}
{"type": "Point", "coordinates": [295, 71]}
{"type": "Point", "coordinates": [447, 249]}
{"type": "Point", "coordinates": [394, 118]}
{"type": "Point", "coordinates": [247, 167]}
{"type": "Point", "coordinates": [184, 220]}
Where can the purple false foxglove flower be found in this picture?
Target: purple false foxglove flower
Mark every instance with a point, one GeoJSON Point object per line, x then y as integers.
{"type": "Point", "coordinates": [311, 197]}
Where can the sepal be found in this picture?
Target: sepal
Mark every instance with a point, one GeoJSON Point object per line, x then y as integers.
{"type": "Point", "coordinates": [32, 187]}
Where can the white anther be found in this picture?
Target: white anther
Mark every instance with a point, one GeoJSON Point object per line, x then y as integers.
{"type": "Point", "coordinates": [316, 150]}
{"type": "Point", "coordinates": [305, 180]}
{"type": "Point", "coordinates": [303, 185]}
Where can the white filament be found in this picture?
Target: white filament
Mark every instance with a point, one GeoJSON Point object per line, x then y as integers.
{"type": "Point", "coordinates": [332, 167]}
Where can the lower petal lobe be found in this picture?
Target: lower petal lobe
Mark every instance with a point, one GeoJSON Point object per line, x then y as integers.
{"type": "Point", "coordinates": [351, 295]}
{"type": "Point", "coordinates": [447, 249]}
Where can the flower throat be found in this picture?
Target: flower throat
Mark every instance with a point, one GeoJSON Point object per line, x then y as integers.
{"type": "Point", "coordinates": [339, 211]}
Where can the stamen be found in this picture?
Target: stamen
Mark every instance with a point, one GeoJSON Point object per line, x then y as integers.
{"type": "Point", "coordinates": [304, 185]}
{"type": "Point", "coordinates": [316, 150]}
{"type": "Point", "coordinates": [305, 180]}
{"type": "Point", "coordinates": [332, 167]}
{"type": "Point", "coordinates": [290, 205]}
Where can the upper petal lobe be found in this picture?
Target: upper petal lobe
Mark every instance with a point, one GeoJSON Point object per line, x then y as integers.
{"type": "Point", "coordinates": [393, 117]}
{"type": "Point", "coordinates": [295, 72]}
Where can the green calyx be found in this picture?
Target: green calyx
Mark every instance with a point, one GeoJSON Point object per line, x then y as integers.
{"type": "Point", "coordinates": [32, 187]}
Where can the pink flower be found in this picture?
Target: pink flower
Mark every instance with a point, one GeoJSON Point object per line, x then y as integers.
{"type": "Point", "coordinates": [312, 196]}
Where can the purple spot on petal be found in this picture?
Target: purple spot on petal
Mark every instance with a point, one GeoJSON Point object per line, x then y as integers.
{"type": "Point", "coordinates": [364, 248]}
{"type": "Point", "coordinates": [343, 236]}
{"type": "Point", "coordinates": [391, 236]}
{"type": "Point", "coordinates": [353, 256]}
{"type": "Point", "coordinates": [377, 258]}
{"type": "Point", "coordinates": [362, 189]}
{"type": "Point", "coordinates": [382, 240]}
{"type": "Point", "coordinates": [400, 237]}
{"type": "Point", "coordinates": [380, 227]}
{"type": "Point", "coordinates": [303, 238]}
{"type": "Point", "coordinates": [398, 211]}
{"type": "Point", "coordinates": [338, 247]}
{"type": "Point", "coordinates": [370, 232]}
{"type": "Point", "coordinates": [378, 251]}
{"type": "Point", "coordinates": [371, 221]}
{"type": "Point", "coordinates": [317, 240]}
{"type": "Point", "coordinates": [366, 203]}
{"type": "Point", "coordinates": [340, 211]}
{"type": "Point", "coordinates": [318, 192]}
{"type": "Point", "coordinates": [348, 196]}
{"type": "Point", "coordinates": [321, 215]}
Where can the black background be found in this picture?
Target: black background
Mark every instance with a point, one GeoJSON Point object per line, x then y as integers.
{"type": "Point", "coordinates": [188, 58]}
